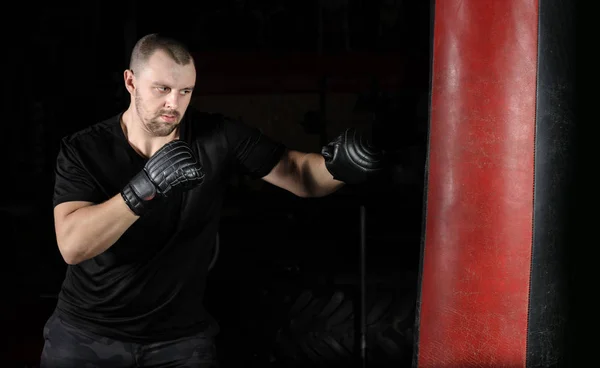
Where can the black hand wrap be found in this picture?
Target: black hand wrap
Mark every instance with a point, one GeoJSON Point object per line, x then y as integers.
{"type": "Point", "coordinates": [352, 158]}
{"type": "Point", "coordinates": [173, 167]}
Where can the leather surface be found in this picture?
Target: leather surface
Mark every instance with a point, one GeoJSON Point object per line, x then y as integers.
{"type": "Point", "coordinates": [172, 166]}
{"type": "Point", "coordinates": [352, 158]}
{"type": "Point", "coordinates": [553, 244]}
{"type": "Point", "coordinates": [479, 206]}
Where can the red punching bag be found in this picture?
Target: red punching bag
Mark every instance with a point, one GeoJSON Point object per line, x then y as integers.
{"type": "Point", "coordinates": [492, 287]}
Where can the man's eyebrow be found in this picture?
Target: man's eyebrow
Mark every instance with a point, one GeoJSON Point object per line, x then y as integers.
{"type": "Point", "coordinates": [158, 83]}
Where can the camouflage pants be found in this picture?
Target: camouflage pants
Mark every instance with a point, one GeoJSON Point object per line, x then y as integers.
{"type": "Point", "coordinates": [66, 347]}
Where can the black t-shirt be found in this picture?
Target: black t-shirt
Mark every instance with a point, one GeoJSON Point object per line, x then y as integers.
{"type": "Point", "coordinates": [149, 285]}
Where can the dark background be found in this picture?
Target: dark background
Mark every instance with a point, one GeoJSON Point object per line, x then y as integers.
{"type": "Point", "coordinates": [337, 63]}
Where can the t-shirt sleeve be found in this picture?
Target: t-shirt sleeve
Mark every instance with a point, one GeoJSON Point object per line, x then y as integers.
{"type": "Point", "coordinates": [254, 152]}
{"type": "Point", "coordinates": [72, 181]}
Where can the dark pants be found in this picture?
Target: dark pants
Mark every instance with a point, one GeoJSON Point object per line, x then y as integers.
{"type": "Point", "coordinates": [65, 346]}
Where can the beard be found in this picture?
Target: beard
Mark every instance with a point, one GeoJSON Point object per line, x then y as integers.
{"type": "Point", "coordinates": [152, 122]}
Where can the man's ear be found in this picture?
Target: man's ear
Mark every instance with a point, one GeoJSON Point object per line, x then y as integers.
{"type": "Point", "coordinates": [129, 80]}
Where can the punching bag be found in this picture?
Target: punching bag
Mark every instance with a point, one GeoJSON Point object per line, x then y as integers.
{"type": "Point", "coordinates": [493, 278]}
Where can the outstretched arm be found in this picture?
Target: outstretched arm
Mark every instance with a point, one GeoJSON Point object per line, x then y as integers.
{"type": "Point", "coordinates": [349, 159]}
{"type": "Point", "coordinates": [303, 174]}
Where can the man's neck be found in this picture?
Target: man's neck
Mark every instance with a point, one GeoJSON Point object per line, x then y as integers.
{"type": "Point", "coordinates": [140, 140]}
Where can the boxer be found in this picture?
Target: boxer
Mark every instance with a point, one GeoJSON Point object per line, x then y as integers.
{"type": "Point", "coordinates": [137, 201]}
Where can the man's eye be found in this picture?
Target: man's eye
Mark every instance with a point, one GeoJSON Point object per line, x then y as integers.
{"type": "Point", "coordinates": [163, 89]}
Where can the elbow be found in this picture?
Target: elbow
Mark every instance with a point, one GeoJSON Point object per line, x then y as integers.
{"type": "Point", "coordinates": [303, 193]}
{"type": "Point", "coordinates": [309, 188]}
{"type": "Point", "coordinates": [71, 261]}
{"type": "Point", "coordinates": [70, 257]}
{"type": "Point", "coordinates": [311, 193]}
{"type": "Point", "coordinates": [306, 186]}
{"type": "Point", "coordinates": [306, 189]}
{"type": "Point", "coordinates": [68, 252]}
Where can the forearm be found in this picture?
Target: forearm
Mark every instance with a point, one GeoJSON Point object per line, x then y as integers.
{"type": "Point", "coordinates": [91, 230]}
{"type": "Point", "coordinates": [315, 178]}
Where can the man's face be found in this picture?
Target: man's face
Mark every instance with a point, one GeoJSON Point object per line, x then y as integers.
{"type": "Point", "coordinates": [162, 93]}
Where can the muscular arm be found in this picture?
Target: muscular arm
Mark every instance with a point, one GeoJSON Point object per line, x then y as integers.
{"type": "Point", "coordinates": [350, 158]}
{"type": "Point", "coordinates": [84, 230]}
{"type": "Point", "coordinates": [303, 174]}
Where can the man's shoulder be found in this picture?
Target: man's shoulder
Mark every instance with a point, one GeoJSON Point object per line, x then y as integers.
{"type": "Point", "coordinates": [101, 130]}
{"type": "Point", "coordinates": [201, 123]}
{"type": "Point", "coordinates": [203, 118]}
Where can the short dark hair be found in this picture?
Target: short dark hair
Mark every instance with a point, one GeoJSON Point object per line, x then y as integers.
{"type": "Point", "coordinates": [149, 44]}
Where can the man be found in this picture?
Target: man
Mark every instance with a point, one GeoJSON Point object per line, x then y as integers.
{"type": "Point", "coordinates": [137, 200]}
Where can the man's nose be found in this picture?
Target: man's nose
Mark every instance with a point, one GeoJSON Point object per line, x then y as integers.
{"type": "Point", "coordinates": [172, 101]}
